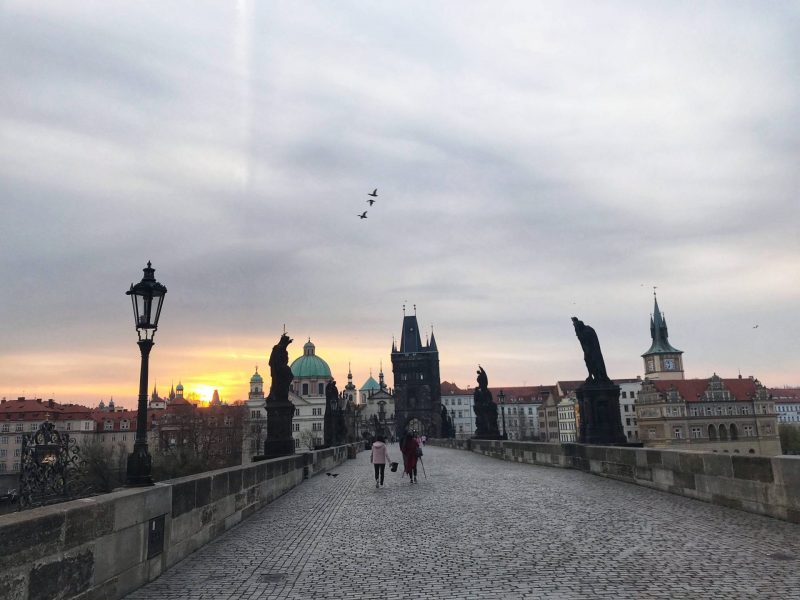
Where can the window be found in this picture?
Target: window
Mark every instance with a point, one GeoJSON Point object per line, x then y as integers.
{"type": "Point", "coordinates": [2, 467]}
{"type": "Point", "coordinates": [748, 430]}
{"type": "Point", "coordinates": [18, 427]}
{"type": "Point", "coordinates": [296, 426]}
{"type": "Point", "coordinates": [124, 437]}
{"type": "Point", "coordinates": [87, 425]}
{"type": "Point", "coordinates": [17, 452]}
{"type": "Point", "coordinates": [109, 425]}
{"type": "Point", "coordinates": [446, 402]}
{"type": "Point", "coordinates": [4, 439]}
{"type": "Point", "coordinates": [125, 424]}
{"type": "Point", "coordinates": [69, 426]}
{"type": "Point", "coordinates": [34, 426]}
{"type": "Point", "coordinates": [677, 433]}
{"type": "Point", "coordinates": [316, 412]}
{"type": "Point", "coordinates": [459, 414]}
{"type": "Point", "coordinates": [316, 427]}
{"type": "Point", "coordinates": [296, 412]}
{"type": "Point", "coordinates": [296, 443]}
{"type": "Point", "coordinates": [321, 389]}
{"type": "Point", "coordinates": [5, 427]}
{"type": "Point", "coordinates": [305, 389]}
{"type": "Point", "coordinates": [652, 433]}
{"type": "Point", "coordinates": [697, 432]}
{"type": "Point", "coordinates": [3, 452]}
{"type": "Point", "coordinates": [624, 394]}
{"type": "Point", "coordinates": [254, 413]}
{"type": "Point", "coordinates": [458, 401]}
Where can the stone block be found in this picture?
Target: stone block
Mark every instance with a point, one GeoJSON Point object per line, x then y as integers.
{"type": "Point", "coordinates": [787, 472]}
{"type": "Point", "coordinates": [132, 578]}
{"type": "Point", "coordinates": [662, 477]}
{"type": "Point", "coordinates": [232, 519]}
{"type": "Point", "coordinates": [671, 459]}
{"type": "Point", "coordinates": [683, 480]}
{"type": "Point", "coordinates": [13, 585]}
{"type": "Point", "coordinates": [248, 477]}
{"type": "Point", "coordinates": [119, 551]}
{"type": "Point", "coordinates": [28, 536]}
{"type": "Point", "coordinates": [654, 458]}
{"type": "Point", "coordinates": [755, 468]}
{"type": "Point", "coordinates": [128, 508]}
{"type": "Point", "coordinates": [596, 466]}
{"type": "Point", "coordinates": [183, 497]}
{"type": "Point", "coordinates": [235, 481]}
{"type": "Point", "coordinates": [157, 501]}
{"type": "Point", "coordinates": [690, 462]}
{"type": "Point", "coordinates": [717, 465]}
{"type": "Point", "coordinates": [240, 500]}
{"type": "Point", "coordinates": [220, 486]}
{"type": "Point", "coordinates": [88, 522]}
{"type": "Point", "coordinates": [640, 457]}
{"type": "Point", "coordinates": [62, 578]}
{"type": "Point", "coordinates": [619, 471]}
{"type": "Point", "coordinates": [183, 527]}
{"type": "Point", "coordinates": [643, 473]}
{"type": "Point", "coordinates": [272, 471]}
{"type": "Point", "coordinates": [203, 496]}
{"type": "Point", "coordinates": [106, 591]}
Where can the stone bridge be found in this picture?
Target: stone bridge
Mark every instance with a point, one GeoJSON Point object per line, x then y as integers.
{"type": "Point", "coordinates": [479, 527]}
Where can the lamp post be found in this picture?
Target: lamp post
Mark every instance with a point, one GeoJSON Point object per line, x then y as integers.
{"type": "Point", "coordinates": [502, 399]}
{"type": "Point", "coordinates": [147, 296]}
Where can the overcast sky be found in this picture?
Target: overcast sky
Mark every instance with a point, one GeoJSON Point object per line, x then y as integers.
{"type": "Point", "coordinates": [534, 161]}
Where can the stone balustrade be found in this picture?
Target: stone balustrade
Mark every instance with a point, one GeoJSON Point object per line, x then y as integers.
{"type": "Point", "coordinates": [767, 485]}
{"type": "Point", "coordinates": [106, 546]}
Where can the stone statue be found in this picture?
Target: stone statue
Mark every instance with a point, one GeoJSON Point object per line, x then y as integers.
{"type": "Point", "coordinates": [331, 410]}
{"type": "Point", "coordinates": [280, 410]}
{"type": "Point", "coordinates": [592, 355]}
{"type": "Point", "coordinates": [279, 369]}
{"type": "Point", "coordinates": [485, 409]}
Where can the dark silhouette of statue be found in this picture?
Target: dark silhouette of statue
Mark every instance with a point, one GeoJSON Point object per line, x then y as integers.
{"type": "Point", "coordinates": [331, 413]}
{"type": "Point", "coordinates": [485, 409]}
{"type": "Point", "coordinates": [592, 355]}
{"type": "Point", "coordinates": [279, 369]}
{"type": "Point", "coordinates": [448, 427]}
{"type": "Point", "coordinates": [279, 409]}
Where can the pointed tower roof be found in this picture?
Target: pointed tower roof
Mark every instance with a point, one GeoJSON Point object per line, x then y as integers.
{"type": "Point", "coordinates": [432, 346]}
{"type": "Point", "coordinates": [659, 333]}
{"type": "Point", "coordinates": [410, 340]}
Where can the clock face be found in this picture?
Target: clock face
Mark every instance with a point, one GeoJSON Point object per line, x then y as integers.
{"type": "Point", "coordinates": [669, 364]}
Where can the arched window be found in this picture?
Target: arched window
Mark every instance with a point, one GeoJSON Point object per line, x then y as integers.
{"type": "Point", "coordinates": [712, 432]}
{"type": "Point", "coordinates": [723, 433]}
{"type": "Point", "coordinates": [734, 432]}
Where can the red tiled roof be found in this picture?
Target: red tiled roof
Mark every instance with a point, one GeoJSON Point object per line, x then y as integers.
{"type": "Point", "coordinates": [692, 390]}
{"type": "Point", "coordinates": [448, 389]}
{"type": "Point", "coordinates": [29, 409]}
{"type": "Point", "coordinates": [785, 395]}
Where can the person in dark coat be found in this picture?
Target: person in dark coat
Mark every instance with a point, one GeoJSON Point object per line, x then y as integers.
{"type": "Point", "coordinates": [409, 449]}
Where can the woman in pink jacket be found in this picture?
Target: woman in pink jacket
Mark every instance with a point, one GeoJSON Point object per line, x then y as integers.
{"type": "Point", "coordinates": [379, 459]}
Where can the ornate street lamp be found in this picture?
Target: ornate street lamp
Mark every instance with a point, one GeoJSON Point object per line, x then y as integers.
{"type": "Point", "coordinates": [501, 397]}
{"type": "Point", "coordinates": [147, 296]}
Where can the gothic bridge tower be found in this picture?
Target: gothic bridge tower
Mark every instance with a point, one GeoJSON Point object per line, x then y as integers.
{"type": "Point", "coordinates": [417, 389]}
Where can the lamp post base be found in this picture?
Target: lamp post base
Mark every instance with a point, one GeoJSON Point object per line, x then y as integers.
{"type": "Point", "coordinates": [140, 465]}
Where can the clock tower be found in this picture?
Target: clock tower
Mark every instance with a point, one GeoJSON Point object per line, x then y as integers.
{"type": "Point", "coordinates": [661, 361]}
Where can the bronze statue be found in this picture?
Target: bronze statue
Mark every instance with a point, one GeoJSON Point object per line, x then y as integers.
{"type": "Point", "coordinates": [331, 413]}
{"type": "Point", "coordinates": [592, 355]}
{"type": "Point", "coordinates": [279, 408]}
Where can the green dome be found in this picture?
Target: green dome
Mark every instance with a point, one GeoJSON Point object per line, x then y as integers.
{"type": "Point", "coordinates": [370, 384]}
{"type": "Point", "coordinates": [310, 365]}
{"type": "Point", "coordinates": [256, 378]}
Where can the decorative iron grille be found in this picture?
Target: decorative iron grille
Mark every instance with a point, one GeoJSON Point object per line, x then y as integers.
{"type": "Point", "coordinates": [50, 467]}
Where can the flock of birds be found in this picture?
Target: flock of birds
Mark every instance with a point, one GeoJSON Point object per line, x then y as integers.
{"type": "Point", "coordinates": [371, 201]}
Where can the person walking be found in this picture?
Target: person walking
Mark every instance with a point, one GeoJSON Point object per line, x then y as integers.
{"type": "Point", "coordinates": [379, 459]}
{"type": "Point", "coordinates": [409, 447]}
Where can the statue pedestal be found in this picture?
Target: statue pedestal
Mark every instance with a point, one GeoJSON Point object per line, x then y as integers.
{"type": "Point", "coordinates": [279, 440]}
{"type": "Point", "coordinates": [600, 422]}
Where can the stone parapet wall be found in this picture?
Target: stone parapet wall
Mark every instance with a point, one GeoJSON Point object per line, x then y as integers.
{"type": "Point", "coordinates": [767, 485]}
{"type": "Point", "coordinates": [107, 546]}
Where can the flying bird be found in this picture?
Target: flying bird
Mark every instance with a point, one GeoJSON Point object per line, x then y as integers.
{"type": "Point", "coordinates": [371, 201]}
{"type": "Point", "coordinates": [374, 193]}
{"type": "Point", "coordinates": [363, 215]}
{"type": "Point", "coordinates": [755, 326]}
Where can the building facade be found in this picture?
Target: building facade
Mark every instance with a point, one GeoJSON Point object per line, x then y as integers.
{"type": "Point", "coordinates": [661, 361]}
{"type": "Point", "coordinates": [787, 405]}
{"type": "Point", "coordinates": [714, 414]}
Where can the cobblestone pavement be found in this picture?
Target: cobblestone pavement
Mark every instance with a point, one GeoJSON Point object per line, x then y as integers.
{"type": "Point", "coordinates": [483, 528]}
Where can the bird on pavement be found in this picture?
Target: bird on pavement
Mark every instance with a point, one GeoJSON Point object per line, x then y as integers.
{"type": "Point", "coordinates": [374, 193]}
{"type": "Point", "coordinates": [363, 215]}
